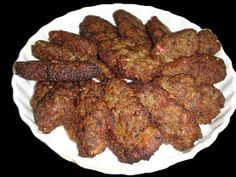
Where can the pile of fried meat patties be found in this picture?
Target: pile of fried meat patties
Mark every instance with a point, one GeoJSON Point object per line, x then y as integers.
{"type": "Point", "coordinates": [172, 90]}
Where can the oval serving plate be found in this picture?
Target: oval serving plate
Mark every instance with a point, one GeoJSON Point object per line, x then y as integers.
{"type": "Point", "coordinates": [107, 162]}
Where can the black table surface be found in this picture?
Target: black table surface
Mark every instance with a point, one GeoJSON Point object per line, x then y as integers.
{"type": "Point", "coordinates": [25, 155]}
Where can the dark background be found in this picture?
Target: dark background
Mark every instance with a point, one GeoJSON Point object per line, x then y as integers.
{"type": "Point", "coordinates": [25, 155]}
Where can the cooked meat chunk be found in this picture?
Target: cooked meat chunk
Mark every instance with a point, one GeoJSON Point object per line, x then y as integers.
{"type": "Point", "coordinates": [71, 125]}
{"type": "Point", "coordinates": [111, 50]}
{"type": "Point", "coordinates": [56, 106]}
{"type": "Point", "coordinates": [56, 70]}
{"type": "Point", "coordinates": [204, 69]}
{"type": "Point", "coordinates": [132, 136]}
{"type": "Point", "coordinates": [122, 15]}
{"type": "Point", "coordinates": [92, 131]}
{"type": "Point", "coordinates": [177, 124]}
{"type": "Point", "coordinates": [31, 70]}
{"type": "Point", "coordinates": [208, 42]}
{"type": "Point", "coordinates": [97, 29]}
{"type": "Point", "coordinates": [91, 92]}
{"type": "Point", "coordinates": [130, 26]}
{"type": "Point", "coordinates": [156, 29]}
{"type": "Point", "coordinates": [82, 48]}
{"type": "Point", "coordinates": [104, 70]}
{"type": "Point", "coordinates": [129, 60]}
{"type": "Point", "coordinates": [88, 128]}
{"type": "Point", "coordinates": [45, 51]}
{"type": "Point", "coordinates": [175, 45]}
{"type": "Point", "coordinates": [139, 66]}
{"type": "Point", "coordinates": [40, 90]}
{"type": "Point", "coordinates": [204, 101]}
{"type": "Point", "coordinates": [212, 101]}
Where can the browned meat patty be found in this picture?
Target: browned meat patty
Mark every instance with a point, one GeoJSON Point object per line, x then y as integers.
{"type": "Point", "coordinates": [129, 60]}
{"type": "Point", "coordinates": [71, 125]}
{"type": "Point", "coordinates": [211, 103]}
{"type": "Point", "coordinates": [88, 128]}
{"type": "Point", "coordinates": [56, 106]}
{"type": "Point", "coordinates": [45, 51]}
{"type": "Point", "coordinates": [132, 136]}
{"type": "Point", "coordinates": [139, 66]}
{"type": "Point", "coordinates": [91, 92]}
{"type": "Point", "coordinates": [204, 101]}
{"type": "Point", "coordinates": [92, 131]}
{"type": "Point", "coordinates": [208, 42]}
{"type": "Point", "coordinates": [56, 70]}
{"type": "Point", "coordinates": [97, 29]}
{"type": "Point", "coordinates": [129, 26]}
{"type": "Point", "coordinates": [177, 124]}
{"type": "Point", "coordinates": [82, 48]}
{"type": "Point", "coordinates": [175, 45]}
{"type": "Point", "coordinates": [156, 29]}
{"type": "Point", "coordinates": [40, 90]}
{"type": "Point", "coordinates": [111, 50]}
{"type": "Point", "coordinates": [122, 15]}
{"type": "Point", "coordinates": [204, 69]}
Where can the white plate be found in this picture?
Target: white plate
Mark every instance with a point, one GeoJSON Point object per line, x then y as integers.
{"type": "Point", "coordinates": [107, 162]}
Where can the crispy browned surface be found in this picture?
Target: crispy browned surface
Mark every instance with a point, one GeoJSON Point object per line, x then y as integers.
{"type": "Point", "coordinates": [211, 103]}
{"type": "Point", "coordinates": [72, 71]}
{"type": "Point", "coordinates": [92, 134]}
{"type": "Point", "coordinates": [129, 26]}
{"type": "Point", "coordinates": [122, 15]}
{"type": "Point", "coordinates": [204, 101]}
{"type": "Point", "coordinates": [129, 60]}
{"type": "Point", "coordinates": [97, 29]}
{"type": "Point", "coordinates": [177, 124]}
{"type": "Point", "coordinates": [132, 137]}
{"type": "Point", "coordinates": [91, 92]}
{"type": "Point", "coordinates": [31, 70]}
{"type": "Point", "coordinates": [83, 49]}
{"type": "Point", "coordinates": [139, 66]}
{"type": "Point", "coordinates": [111, 50]}
{"type": "Point", "coordinates": [204, 69]}
{"type": "Point", "coordinates": [56, 70]}
{"type": "Point", "coordinates": [40, 90]}
{"type": "Point", "coordinates": [104, 70]}
{"type": "Point", "coordinates": [88, 128]}
{"type": "Point", "coordinates": [71, 125]}
{"type": "Point", "coordinates": [175, 45]}
{"type": "Point", "coordinates": [208, 42]}
{"type": "Point", "coordinates": [156, 29]}
{"type": "Point", "coordinates": [56, 106]}
{"type": "Point", "coordinates": [45, 51]}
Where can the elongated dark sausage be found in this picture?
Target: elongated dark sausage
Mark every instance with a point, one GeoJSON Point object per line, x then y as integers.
{"type": "Point", "coordinates": [56, 70]}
